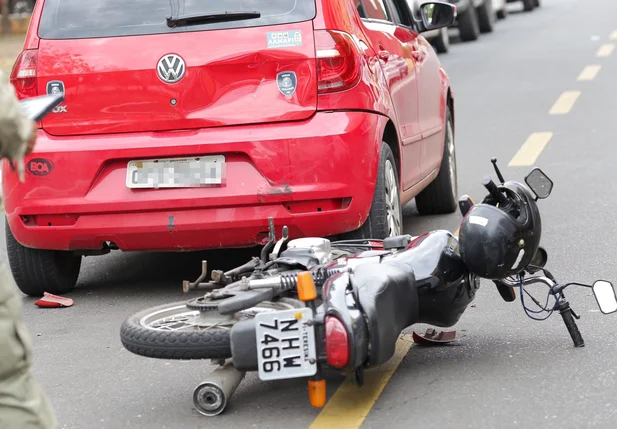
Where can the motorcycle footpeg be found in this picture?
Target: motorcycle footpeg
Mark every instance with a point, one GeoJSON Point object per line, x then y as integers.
{"type": "Point", "coordinates": [507, 293]}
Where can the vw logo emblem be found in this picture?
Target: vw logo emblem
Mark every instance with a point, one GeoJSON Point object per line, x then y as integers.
{"type": "Point", "coordinates": [171, 68]}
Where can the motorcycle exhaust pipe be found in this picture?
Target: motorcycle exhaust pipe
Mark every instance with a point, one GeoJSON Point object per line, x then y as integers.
{"type": "Point", "coordinates": [212, 396]}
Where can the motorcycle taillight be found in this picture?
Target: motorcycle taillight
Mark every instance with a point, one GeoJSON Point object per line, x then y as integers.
{"type": "Point", "coordinates": [337, 343]}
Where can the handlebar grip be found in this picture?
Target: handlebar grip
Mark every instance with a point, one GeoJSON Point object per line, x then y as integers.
{"type": "Point", "coordinates": [568, 319]}
{"type": "Point", "coordinates": [494, 191]}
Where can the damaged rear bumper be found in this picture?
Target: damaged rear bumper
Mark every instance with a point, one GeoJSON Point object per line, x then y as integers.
{"type": "Point", "coordinates": [315, 176]}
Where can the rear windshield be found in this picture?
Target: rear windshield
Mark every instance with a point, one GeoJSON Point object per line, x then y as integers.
{"type": "Point", "coordinates": [80, 19]}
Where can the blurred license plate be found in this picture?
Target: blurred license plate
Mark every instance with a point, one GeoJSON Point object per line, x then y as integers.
{"type": "Point", "coordinates": [176, 172]}
{"type": "Point", "coordinates": [285, 344]}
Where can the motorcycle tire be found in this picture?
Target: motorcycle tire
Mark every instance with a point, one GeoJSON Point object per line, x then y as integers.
{"type": "Point", "coordinates": [194, 342]}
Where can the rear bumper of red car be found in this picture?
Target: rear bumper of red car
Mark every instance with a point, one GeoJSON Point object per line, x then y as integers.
{"type": "Point", "coordinates": [315, 176]}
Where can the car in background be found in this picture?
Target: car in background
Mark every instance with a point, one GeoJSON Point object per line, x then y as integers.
{"type": "Point", "coordinates": [440, 38]}
{"type": "Point", "coordinates": [474, 18]}
{"type": "Point", "coordinates": [185, 129]}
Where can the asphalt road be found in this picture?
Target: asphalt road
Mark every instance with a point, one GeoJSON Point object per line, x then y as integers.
{"type": "Point", "coordinates": [506, 371]}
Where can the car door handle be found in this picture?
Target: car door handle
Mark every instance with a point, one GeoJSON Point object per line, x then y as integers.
{"type": "Point", "coordinates": [384, 55]}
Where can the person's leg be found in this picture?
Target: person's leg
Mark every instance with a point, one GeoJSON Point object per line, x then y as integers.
{"type": "Point", "coordinates": [23, 404]}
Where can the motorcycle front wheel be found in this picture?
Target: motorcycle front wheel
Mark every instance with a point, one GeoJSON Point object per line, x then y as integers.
{"type": "Point", "coordinates": [180, 332]}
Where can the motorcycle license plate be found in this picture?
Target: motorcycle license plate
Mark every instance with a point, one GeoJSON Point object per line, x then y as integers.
{"type": "Point", "coordinates": [286, 344]}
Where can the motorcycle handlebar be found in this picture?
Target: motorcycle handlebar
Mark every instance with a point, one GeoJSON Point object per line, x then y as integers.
{"type": "Point", "coordinates": [563, 306]}
{"type": "Point", "coordinates": [503, 201]}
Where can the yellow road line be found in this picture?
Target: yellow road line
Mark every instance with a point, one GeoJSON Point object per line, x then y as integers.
{"type": "Point", "coordinates": [350, 404]}
{"type": "Point", "coordinates": [564, 103]}
{"type": "Point", "coordinates": [605, 50]}
{"type": "Point", "coordinates": [589, 72]}
{"type": "Point", "coordinates": [613, 35]}
{"type": "Point", "coordinates": [531, 149]}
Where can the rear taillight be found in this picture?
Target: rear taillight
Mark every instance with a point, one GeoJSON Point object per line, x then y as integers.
{"type": "Point", "coordinates": [23, 76]}
{"type": "Point", "coordinates": [338, 61]}
{"type": "Point", "coordinates": [337, 343]}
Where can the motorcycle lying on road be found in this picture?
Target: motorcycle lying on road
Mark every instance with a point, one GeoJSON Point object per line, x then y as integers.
{"type": "Point", "coordinates": [311, 303]}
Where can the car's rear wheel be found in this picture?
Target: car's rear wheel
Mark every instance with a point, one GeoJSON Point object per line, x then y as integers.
{"type": "Point", "coordinates": [36, 271]}
{"type": "Point", "coordinates": [442, 42]}
{"type": "Point", "coordinates": [486, 17]}
{"type": "Point", "coordinates": [440, 196]}
{"type": "Point", "coordinates": [528, 5]}
{"type": "Point", "coordinates": [468, 25]}
{"type": "Point", "coordinates": [385, 217]}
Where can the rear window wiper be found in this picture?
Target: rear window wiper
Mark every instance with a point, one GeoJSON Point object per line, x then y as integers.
{"type": "Point", "coordinates": [200, 19]}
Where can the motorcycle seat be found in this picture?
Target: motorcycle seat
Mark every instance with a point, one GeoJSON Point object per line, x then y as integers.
{"type": "Point", "coordinates": [387, 294]}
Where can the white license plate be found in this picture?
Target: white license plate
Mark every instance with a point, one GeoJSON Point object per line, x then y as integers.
{"type": "Point", "coordinates": [176, 172]}
{"type": "Point", "coordinates": [286, 344]}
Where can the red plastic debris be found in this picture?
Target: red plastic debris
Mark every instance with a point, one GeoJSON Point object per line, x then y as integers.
{"type": "Point", "coordinates": [53, 301]}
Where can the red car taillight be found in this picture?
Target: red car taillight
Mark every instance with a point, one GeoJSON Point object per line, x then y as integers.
{"type": "Point", "coordinates": [337, 343]}
{"type": "Point", "coordinates": [338, 61]}
{"type": "Point", "coordinates": [23, 76]}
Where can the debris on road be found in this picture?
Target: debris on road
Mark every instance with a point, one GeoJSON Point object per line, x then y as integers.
{"type": "Point", "coordinates": [53, 301]}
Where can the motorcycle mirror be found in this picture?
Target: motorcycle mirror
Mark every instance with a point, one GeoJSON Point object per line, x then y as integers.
{"type": "Point", "coordinates": [605, 296]}
{"type": "Point", "coordinates": [539, 183]}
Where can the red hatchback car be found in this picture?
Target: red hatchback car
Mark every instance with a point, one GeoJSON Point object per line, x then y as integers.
{"type": "Point", "coordinates": [187, 124]}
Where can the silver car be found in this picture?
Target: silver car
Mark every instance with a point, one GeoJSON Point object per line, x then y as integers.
{"type": "Point", "coordinates": [474, 17]}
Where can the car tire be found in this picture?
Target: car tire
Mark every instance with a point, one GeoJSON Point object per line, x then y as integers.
{"type": "Point", "coordinates": [37, 271]}
{"type": "Point", "coordinates": [528, 5]}
{"type": "Point", "coordinates": [442, 43]}
{"type": "Point", "coordinates": [486, 17]}
{"type": "Point", "coordinates": [503, 13]}
{"type": "Point", "coordinates": [468, 25]}
{"type": "Point", "coordinates": [537, 3]}
{"type": "Point", "coordinates": [440, 197]}
{"type": "Point", "coordinates": [385, 218]}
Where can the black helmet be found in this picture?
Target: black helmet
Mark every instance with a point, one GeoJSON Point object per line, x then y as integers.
{"type": "Point", "coordinates": [498, 242]}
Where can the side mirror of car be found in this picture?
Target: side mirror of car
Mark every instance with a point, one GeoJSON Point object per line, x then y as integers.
{"type": "Point", "coordinates": [434, 15]}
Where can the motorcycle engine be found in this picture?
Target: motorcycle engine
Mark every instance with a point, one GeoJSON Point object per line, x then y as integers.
{"type": "Point", "coordinates": [318, 249]}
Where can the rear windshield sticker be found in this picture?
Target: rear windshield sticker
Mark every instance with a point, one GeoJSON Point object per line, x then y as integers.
{"type": "Point", "coordinates": [287, 83]}
{"type": "Point", "coordinates": [284, 39]}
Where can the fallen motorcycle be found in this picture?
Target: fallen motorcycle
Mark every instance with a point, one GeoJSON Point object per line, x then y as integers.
{"type": "Point", "coordinates": [311, 302]}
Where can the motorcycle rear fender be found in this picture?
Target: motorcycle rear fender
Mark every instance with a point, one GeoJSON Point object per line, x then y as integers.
{"type": "Point", "coordinates": [243, 341]}
{"type": "Point", "coordinates": [341, 304]}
